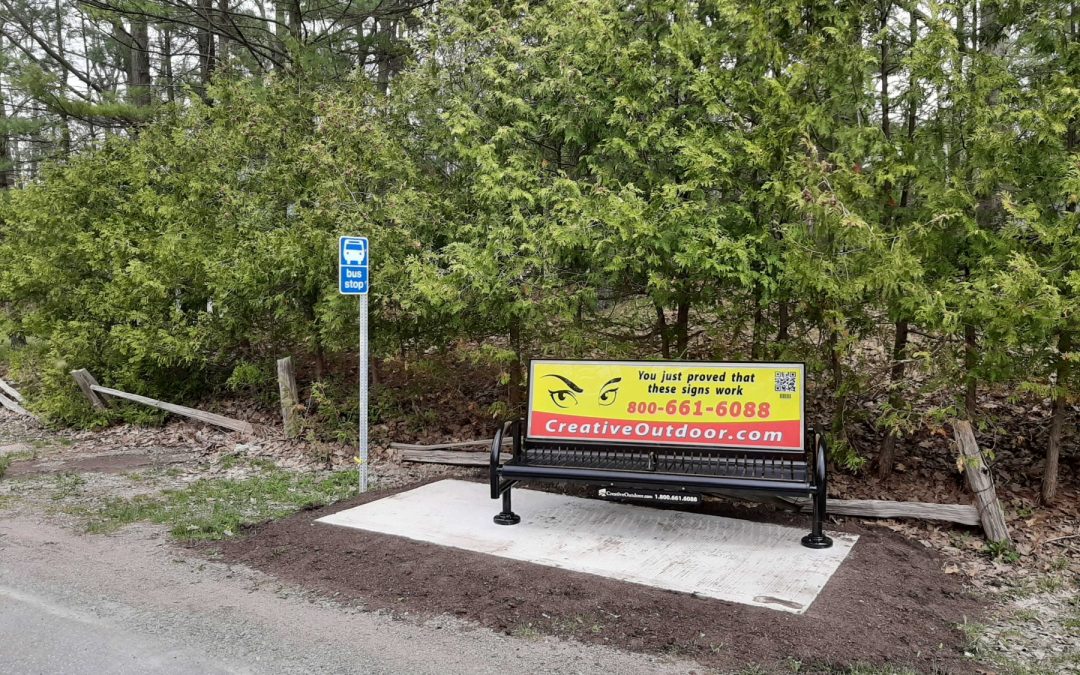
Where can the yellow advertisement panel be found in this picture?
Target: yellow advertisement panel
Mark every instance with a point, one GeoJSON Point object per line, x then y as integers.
{"type": "Point", "coordinates": [747, 405]}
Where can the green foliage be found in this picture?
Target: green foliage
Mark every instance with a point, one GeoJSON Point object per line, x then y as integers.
{"type": "Point", "coordinates": [1003, 551]}
{"type": "Point", "coordinates": [169, 263]}
{"type": "Point", "coordinates": [698, 178]}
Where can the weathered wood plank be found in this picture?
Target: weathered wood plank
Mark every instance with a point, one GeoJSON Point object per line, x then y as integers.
{"type": "Point", "coordinates": [14, 407]}
{"type": "Point", "coordinates": [290, 396]}
{"type": "Point", "coordinates": [201, 415]}
{"type": "Point", "coordinates": [87, 383]}
{"type": "Point", "coordinates": [446, 446]}
{"type": "Point", "coordinates": [964, 514]}
{"type": "Point", "coordinates": [451, 458]}
{"type": "Point", "coordinates": [982, 483]}
{"type": "Point", "coordinates": [10, 391]}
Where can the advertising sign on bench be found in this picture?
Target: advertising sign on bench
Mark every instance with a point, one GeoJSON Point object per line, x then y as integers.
{"type": "Point", "coordinates": [731, 405]}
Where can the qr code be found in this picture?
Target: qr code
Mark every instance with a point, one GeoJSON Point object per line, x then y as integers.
{"type": "Point", "coordinates": [785, 381]}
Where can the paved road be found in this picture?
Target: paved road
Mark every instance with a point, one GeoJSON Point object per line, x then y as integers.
{"type": "Point", "coordinates": [133, 603]}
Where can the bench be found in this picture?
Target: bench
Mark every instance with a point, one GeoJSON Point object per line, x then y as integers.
{"type": "Point", "coordinates": [623, 427]}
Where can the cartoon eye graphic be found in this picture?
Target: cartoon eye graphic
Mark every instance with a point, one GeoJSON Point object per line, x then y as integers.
{"type": "Point", "coordinates": [564, 398]}
{"type": "Point", "coordinates": [609, 391]}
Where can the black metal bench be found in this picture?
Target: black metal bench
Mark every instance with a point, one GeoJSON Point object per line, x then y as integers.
{"type": "Point", "coordinates": [652, 467]}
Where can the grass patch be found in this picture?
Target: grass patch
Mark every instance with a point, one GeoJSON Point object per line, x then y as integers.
{"type": "Point", "coordinates": [67, 485]}
{"type": "Point", "coordinates": [973, 633]}
{"type": "Point", "coordinates": [212, 509]}
{"type": "Point", "coordinates": [21, 456]}
{"type": "Point", "coordinates": [527, 632]}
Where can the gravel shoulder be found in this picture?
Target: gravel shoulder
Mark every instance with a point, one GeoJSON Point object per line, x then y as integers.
{"type": "Point", "coordinates": [132, 602]}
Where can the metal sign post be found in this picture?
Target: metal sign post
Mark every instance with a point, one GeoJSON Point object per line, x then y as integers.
{"type": "Point", "coordinates": [353, 280]}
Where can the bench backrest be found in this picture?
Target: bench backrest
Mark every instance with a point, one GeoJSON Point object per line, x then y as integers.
{"type": "Point", "coordinates": [680, 403]}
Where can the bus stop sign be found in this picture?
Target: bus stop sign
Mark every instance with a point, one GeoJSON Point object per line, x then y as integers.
{"type": "Point", "coordinates": [353, 265]}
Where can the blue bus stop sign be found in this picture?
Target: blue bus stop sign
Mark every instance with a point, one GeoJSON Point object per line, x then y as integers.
{"type": "Point", "coordinates": [353, 265]}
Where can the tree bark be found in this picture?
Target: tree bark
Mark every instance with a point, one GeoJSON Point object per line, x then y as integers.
{"type": "Point", "coordinates": [7, 167]}
{"type": "Point", "coordinates": [223, 38]}
{"type": "Point", "coordinates": [295, 19]}
{"type": "Point", "coordinates": [1057, 418]}
{"type": "Point", "coordinates": [166, 64]}
{"type": "Point", "coordinates": [385, 40]}
{"type": "Point", "coordinates": [139, 76]}
{"type": "Point", "coordinates": [757, 333]}
{"type": "Point", "coordinates": [205, 41]}
{"type": "Point", "coordinates": [783, 321]}
{"type": "Point", "coordinates": [663, 330]}
{"type": "Point", "coordinates": [886, 459]}
{"type": "Point", "coordinates": [682, 329]}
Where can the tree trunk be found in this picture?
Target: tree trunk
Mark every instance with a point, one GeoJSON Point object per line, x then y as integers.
{"type": "Point", "coordinates": [757, 333]}
{"type": "Point", "coordinates": [971, 359]}
{"type": "Point", "coordinates": [320, 360]}
{"type": "Point", "coordinates": [166, 64]}
{"type": "Point", "coordinates": [384, 38]}
{"type": "Point", "coordinates": [665, 335]}
{"type": "Point", "coordinates": [784, 321]}
{"type": "Point", "coordinates": [139, 76]}
{"type": "Point", "coordinates": [223, 39]}
{"type": "Point", "coordinates": [280, 23]}
{"type": "Point", "coordinates": [295, 19]}
{"type": "Point", "coordinates": [205, 41]}
{"type": "Point", "coordinates": [682, 329]}
{"type": "Point", "coordinates": [886, 459]}
{"type": "Point", "coordinates": [7, 166]}
{"type": "Point", "coordinates": [1057, 419]}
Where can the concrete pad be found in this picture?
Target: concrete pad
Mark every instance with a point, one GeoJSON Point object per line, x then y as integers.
{"type": "Point", "coordinates": [735, 560]}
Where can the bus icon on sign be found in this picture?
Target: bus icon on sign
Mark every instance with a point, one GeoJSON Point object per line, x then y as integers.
{"type": "Point", "coordinates": [354, 251]}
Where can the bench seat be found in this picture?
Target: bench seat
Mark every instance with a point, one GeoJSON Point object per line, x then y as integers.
{"type": "Point", "coordinates": [665, 467]}
{"type": "Point", "coordinates": [787, 467]}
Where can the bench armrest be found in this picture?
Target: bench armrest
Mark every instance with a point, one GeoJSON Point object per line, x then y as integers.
{"type": "Point", "coordinates": [821, 449]}
{"type": "Point", "coordinates": [496, 456]}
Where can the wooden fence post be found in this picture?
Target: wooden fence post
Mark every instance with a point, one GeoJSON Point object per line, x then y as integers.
{"type": "Point", "coordinates": [982, 484]}
{"type": "Point", "coordinates": [289, 396]}
{"type": "Point", "coordinates": [87, 382]}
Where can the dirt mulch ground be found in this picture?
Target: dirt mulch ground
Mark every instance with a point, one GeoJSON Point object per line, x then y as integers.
{"type": "Point", "coordinates": [122, 463]}
{"type": "Point", "coordinates": [889, 603]}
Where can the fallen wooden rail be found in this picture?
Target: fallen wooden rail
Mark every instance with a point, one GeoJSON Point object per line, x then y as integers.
{"type": "Point", "coordinates": [963, 514]}
{"type": "Point", "coordinates": [14, 407]}
{"type": "Point", "coordinates": [450, 458]}
{"type": "Point", "coordinates": [202, 416]}
{"type": "Point", "coordinates": [91, 389]}
{"type": "Point", "coordinates": [445, 446]}
{"type": "Point", "coordinates": [10, 391]}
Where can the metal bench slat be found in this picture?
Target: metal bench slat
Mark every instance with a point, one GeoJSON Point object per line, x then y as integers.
{"type": "Point", "coordinates": [513, 471]}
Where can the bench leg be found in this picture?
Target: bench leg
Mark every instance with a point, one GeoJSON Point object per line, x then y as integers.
{"type": "Point", "coordinates": [817, 538]}
{"type": "Point", "coordinates": [506, 516]}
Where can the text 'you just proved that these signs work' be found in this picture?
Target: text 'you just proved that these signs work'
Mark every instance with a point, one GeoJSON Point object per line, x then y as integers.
{"type": "Point", "coordinates": [750, 405]}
